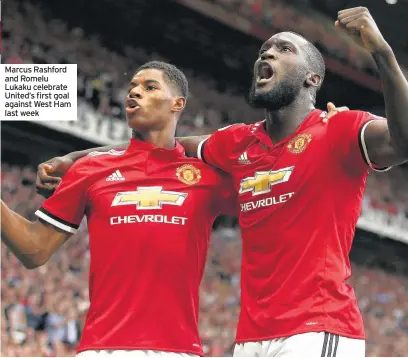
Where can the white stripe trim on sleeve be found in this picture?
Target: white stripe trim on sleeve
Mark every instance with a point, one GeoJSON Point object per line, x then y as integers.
{"type": "Point", "coordinates": [363, 144]}
{"type": "Point", "coordinates": [56, 223]}
{"type": "Point", "coordinates": [110, 152]}
{"type": "Point", "coordinates": [199, 148]}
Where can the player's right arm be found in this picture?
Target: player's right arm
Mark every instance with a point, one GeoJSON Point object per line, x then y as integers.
{"type": "Point", "coordinates": [32, 243]}
{"type": "Point", "coordinates": [59, 217]}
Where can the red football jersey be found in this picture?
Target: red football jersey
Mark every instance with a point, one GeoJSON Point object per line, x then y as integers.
{"type": "Point", "coordinates": [150, 213]}
{"type": "Point", "coordinates": [300, 200]}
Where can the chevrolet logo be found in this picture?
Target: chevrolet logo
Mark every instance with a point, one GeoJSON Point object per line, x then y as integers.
{"type": "Point", "coordinates": [149, 197]}
{"type": "Point", "coordinates": [262, 182]}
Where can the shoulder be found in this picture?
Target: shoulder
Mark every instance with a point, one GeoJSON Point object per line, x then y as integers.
{"type": "Point", "coordinates": [348, 123]}
{"type": "Point", "coordinates": [230, 137]}
{"type": "Point", "coordinates": [89, 164]}
{"type": "Point", "coordinates": [100, 156]}
{"type": "Point", "coordinates": [236, 127]}
{"type": "Point", "coordinates": [96, 159]}
{"type": "Point", "coordinates": [343, 118]}
{"type": "Point", "coordinates": [233, 131]}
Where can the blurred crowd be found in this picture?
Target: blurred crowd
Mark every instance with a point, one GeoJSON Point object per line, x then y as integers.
{"type": "Point", "coordinates": [387, 192]}
{"type": "Point", "coordinates": [43, 310]}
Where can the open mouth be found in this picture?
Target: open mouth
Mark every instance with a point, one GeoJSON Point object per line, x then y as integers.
{"type": "Point", "coordinates": [132, 104]}
{"type": "Point", "coordinates": [265, 72]}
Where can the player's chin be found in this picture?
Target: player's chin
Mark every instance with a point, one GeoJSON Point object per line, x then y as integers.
{"type": "Point", "coordinates": [138, 123]}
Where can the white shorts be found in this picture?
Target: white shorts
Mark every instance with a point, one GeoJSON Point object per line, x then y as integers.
{"type": "Point", "coordinates": [312, 344]}
{"type": "Point", "coordinates": [132, 354]}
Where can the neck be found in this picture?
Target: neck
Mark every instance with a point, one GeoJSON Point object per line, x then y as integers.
{"type": "Point", "coordinates": [161, 139]}
{"type": "Point", "coordinates": [283, 122]}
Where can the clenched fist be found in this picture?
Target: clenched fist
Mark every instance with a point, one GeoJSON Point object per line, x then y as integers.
{"type": "Point", "coordinates": [359, 24]}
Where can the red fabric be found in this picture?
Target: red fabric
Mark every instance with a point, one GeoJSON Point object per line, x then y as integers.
{"type": "Point", "coordinates": [149, 236]}
{"type": "Point", "coordinates": [300, 201]}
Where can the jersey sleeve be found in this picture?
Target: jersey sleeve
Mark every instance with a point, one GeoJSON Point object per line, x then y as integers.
{"type": "Point", "coordinates": [226, 201]}
{"type": "Point", "coordinates": [346, 133]}
{"type": "Point", "coordinates": [218, 148]}
{"type": "Point", "coordinates": [66, 207]}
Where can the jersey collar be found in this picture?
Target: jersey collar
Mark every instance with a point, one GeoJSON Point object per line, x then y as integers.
{"type": "Point", "coordinates": [139, 145]}
{"type": "Point", "coordinates": [258, 129]}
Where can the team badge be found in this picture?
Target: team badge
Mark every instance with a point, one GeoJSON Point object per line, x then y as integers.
{"type": "Point", "coordinates": [299, 143]}
{"type": "Point", "coordinates": [188, 174]}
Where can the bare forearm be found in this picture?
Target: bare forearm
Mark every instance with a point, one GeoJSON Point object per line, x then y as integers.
{"type": "Point", "coordinates": [18, 235]}
{"type": "Point", "coordinates": [82, 153]}
{"type": "Point", "coordinates": [190, 144]}
{"type": "Point", "coordinates": [395, 89]}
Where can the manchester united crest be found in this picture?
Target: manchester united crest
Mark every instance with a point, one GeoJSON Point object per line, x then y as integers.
{"type": "Point", "coordinates": [188, 174]}
{"type": "Point", "coordinates": [299, 143]}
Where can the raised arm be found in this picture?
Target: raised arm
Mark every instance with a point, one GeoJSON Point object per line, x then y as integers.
{"type": "Point", "coordinates": [32, 243]}
{"type": "Point", "coordinates": [385, 143]}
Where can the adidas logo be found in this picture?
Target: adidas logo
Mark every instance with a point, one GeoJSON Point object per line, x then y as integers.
{"type": "Point", "coordinates": [115, 176]}
{"type": "Point", "coordinates": [243, 159]}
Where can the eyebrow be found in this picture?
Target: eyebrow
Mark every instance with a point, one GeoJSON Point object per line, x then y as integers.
{"type": "Point", "coordinates": [278, 42]}
{"type": "Point", "coordinates": [286, 42]}
{"type": "Point", "coordinates": [146, 82]}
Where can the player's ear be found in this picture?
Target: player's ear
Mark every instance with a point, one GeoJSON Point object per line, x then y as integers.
{"type": "Point", "coordinates": [313, 80]}
{"type": "Point", "coordinates": [179, 104]}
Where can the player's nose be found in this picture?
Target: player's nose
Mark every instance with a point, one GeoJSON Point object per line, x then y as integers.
{"type": "Point", "coordinates": [268, 55]}
{"type": "Point", "coordinates": [135, 93]}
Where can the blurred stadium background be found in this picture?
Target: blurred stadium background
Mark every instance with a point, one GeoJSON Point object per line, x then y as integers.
{"type": "Point", "coordinates": [215, 42]}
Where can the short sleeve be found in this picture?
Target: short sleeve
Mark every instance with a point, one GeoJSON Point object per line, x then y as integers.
{"type": "Point", "coordinates": [226, 202]}
{"type": "Point", "coordinates": [66, 207]}
{"type": "Point", "coordinates": [346, 133]}
{"type": "Point", "coordinates": [216, 150]}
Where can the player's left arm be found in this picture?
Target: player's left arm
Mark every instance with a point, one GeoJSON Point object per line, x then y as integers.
{"type": "Point", "coordinates": [385, 142]}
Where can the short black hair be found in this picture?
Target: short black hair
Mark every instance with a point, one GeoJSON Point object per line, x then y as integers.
{"type": "Point", "coordinates": [314, 59]}
{"type": "Point", "coordinates": [172, 75]}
